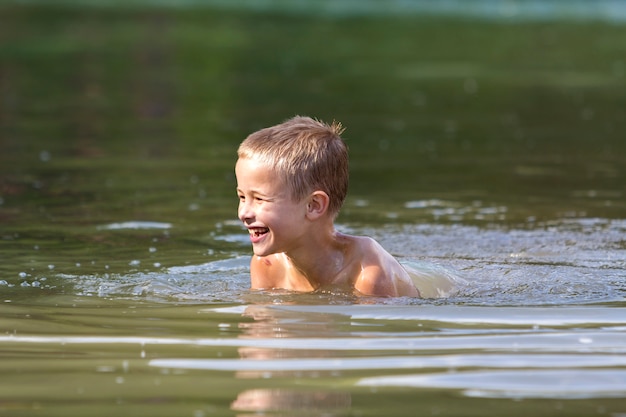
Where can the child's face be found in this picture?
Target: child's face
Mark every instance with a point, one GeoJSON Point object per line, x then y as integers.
{"type": "Point", "coordinates": [275, 221]}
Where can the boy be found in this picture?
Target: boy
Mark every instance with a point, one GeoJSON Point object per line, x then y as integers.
{"type": "Point", "coordinates": [292, 179]}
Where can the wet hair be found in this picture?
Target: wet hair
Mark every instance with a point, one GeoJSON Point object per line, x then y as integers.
{"type": "Point", "coordinates": [307, 154]}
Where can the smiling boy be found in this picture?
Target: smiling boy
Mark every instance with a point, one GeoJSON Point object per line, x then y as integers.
{"type": "Point", "coordinates": [292, 180]}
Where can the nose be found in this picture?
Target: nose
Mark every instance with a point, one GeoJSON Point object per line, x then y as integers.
{"type": "Point", "coordinates": [245, 211]}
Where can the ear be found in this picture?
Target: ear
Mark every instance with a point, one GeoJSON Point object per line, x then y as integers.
{"type": "Point", "coordinates": [317, 205]}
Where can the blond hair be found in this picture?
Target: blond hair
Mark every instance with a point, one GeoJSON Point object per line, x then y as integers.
{"type": "Point", "coordinates": [307, 154]}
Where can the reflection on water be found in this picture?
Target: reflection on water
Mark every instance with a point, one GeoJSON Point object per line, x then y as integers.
{"type": "Point", "coordinates": [341, 358]}
{"type": "Point", "coordinates": [520, 353]}
{"type": "Point", "coordinates": [268, 324]}
{"type": "Point", "coordinates": [302, 402]}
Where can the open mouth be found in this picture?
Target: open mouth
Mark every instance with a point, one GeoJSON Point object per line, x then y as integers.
{"type": "Point", "coordinates": [257, 232]}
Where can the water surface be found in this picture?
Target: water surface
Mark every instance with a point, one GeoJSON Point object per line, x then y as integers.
{"type": "Point", "coordinates": [490, 149]}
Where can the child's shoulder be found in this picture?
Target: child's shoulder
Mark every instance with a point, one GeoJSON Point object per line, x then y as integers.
{"type": "Point", "coordinates": [368, 248]}
{"type": "Point", "coordinates": [264, 270]}
{"type": "Point", "coordinates": [276, 271]}
{"type": "Point", "coordinates": [356, 241]}
{"type": "Point", "coordinates": [381, 274]}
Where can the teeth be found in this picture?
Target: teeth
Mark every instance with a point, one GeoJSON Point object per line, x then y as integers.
{"type": "Point", "coordinates": [257, 232]}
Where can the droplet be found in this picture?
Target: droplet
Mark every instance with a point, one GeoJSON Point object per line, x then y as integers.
{"type": "Point", "coordinates": [44, 156]}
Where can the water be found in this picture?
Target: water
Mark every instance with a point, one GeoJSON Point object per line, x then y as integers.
{"type": "Point", "coordinates": [490, 150]}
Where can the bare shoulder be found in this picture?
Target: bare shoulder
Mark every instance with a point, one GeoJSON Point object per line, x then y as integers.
{"type": "Point", "coordinates": [276, 272]}
{"type": "Point", "coordinates": [381, 274]}
{"type": "Point", "coordinates": [266, 271]}
{"type": "Point", "coordinates": [372, 252]}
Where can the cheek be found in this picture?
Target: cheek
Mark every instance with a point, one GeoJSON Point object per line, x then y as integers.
{"type": "Point", "coordinates": [292, 214]}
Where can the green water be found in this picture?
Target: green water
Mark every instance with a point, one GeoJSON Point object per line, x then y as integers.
{"type": "Point", "coordinates": [493, 149]}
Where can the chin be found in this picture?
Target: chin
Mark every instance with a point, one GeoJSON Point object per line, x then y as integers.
{"type": "Point", "coordinates": [262, 252]}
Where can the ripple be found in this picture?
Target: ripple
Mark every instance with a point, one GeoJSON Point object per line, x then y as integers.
{"type": "Point", "coordinates": [562, 342]}
{"type": "Point", "coordinates": [450, 362]}
{"type": "Point", "coordinates": [135, 225]}
{"type": "Point", "coordinates": [519, 384]}
{"type": "Point", "coordinates": [472, 315]}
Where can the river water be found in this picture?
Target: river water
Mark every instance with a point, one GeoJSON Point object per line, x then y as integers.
{"type": "Point", "coordinates": [491, 150]}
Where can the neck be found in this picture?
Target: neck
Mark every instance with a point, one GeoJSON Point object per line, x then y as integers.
{"type": "Point", "coordinates": [320, 261]}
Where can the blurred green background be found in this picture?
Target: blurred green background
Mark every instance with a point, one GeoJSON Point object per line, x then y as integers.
{"type": "Point", "coordinates": [120, 111]}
